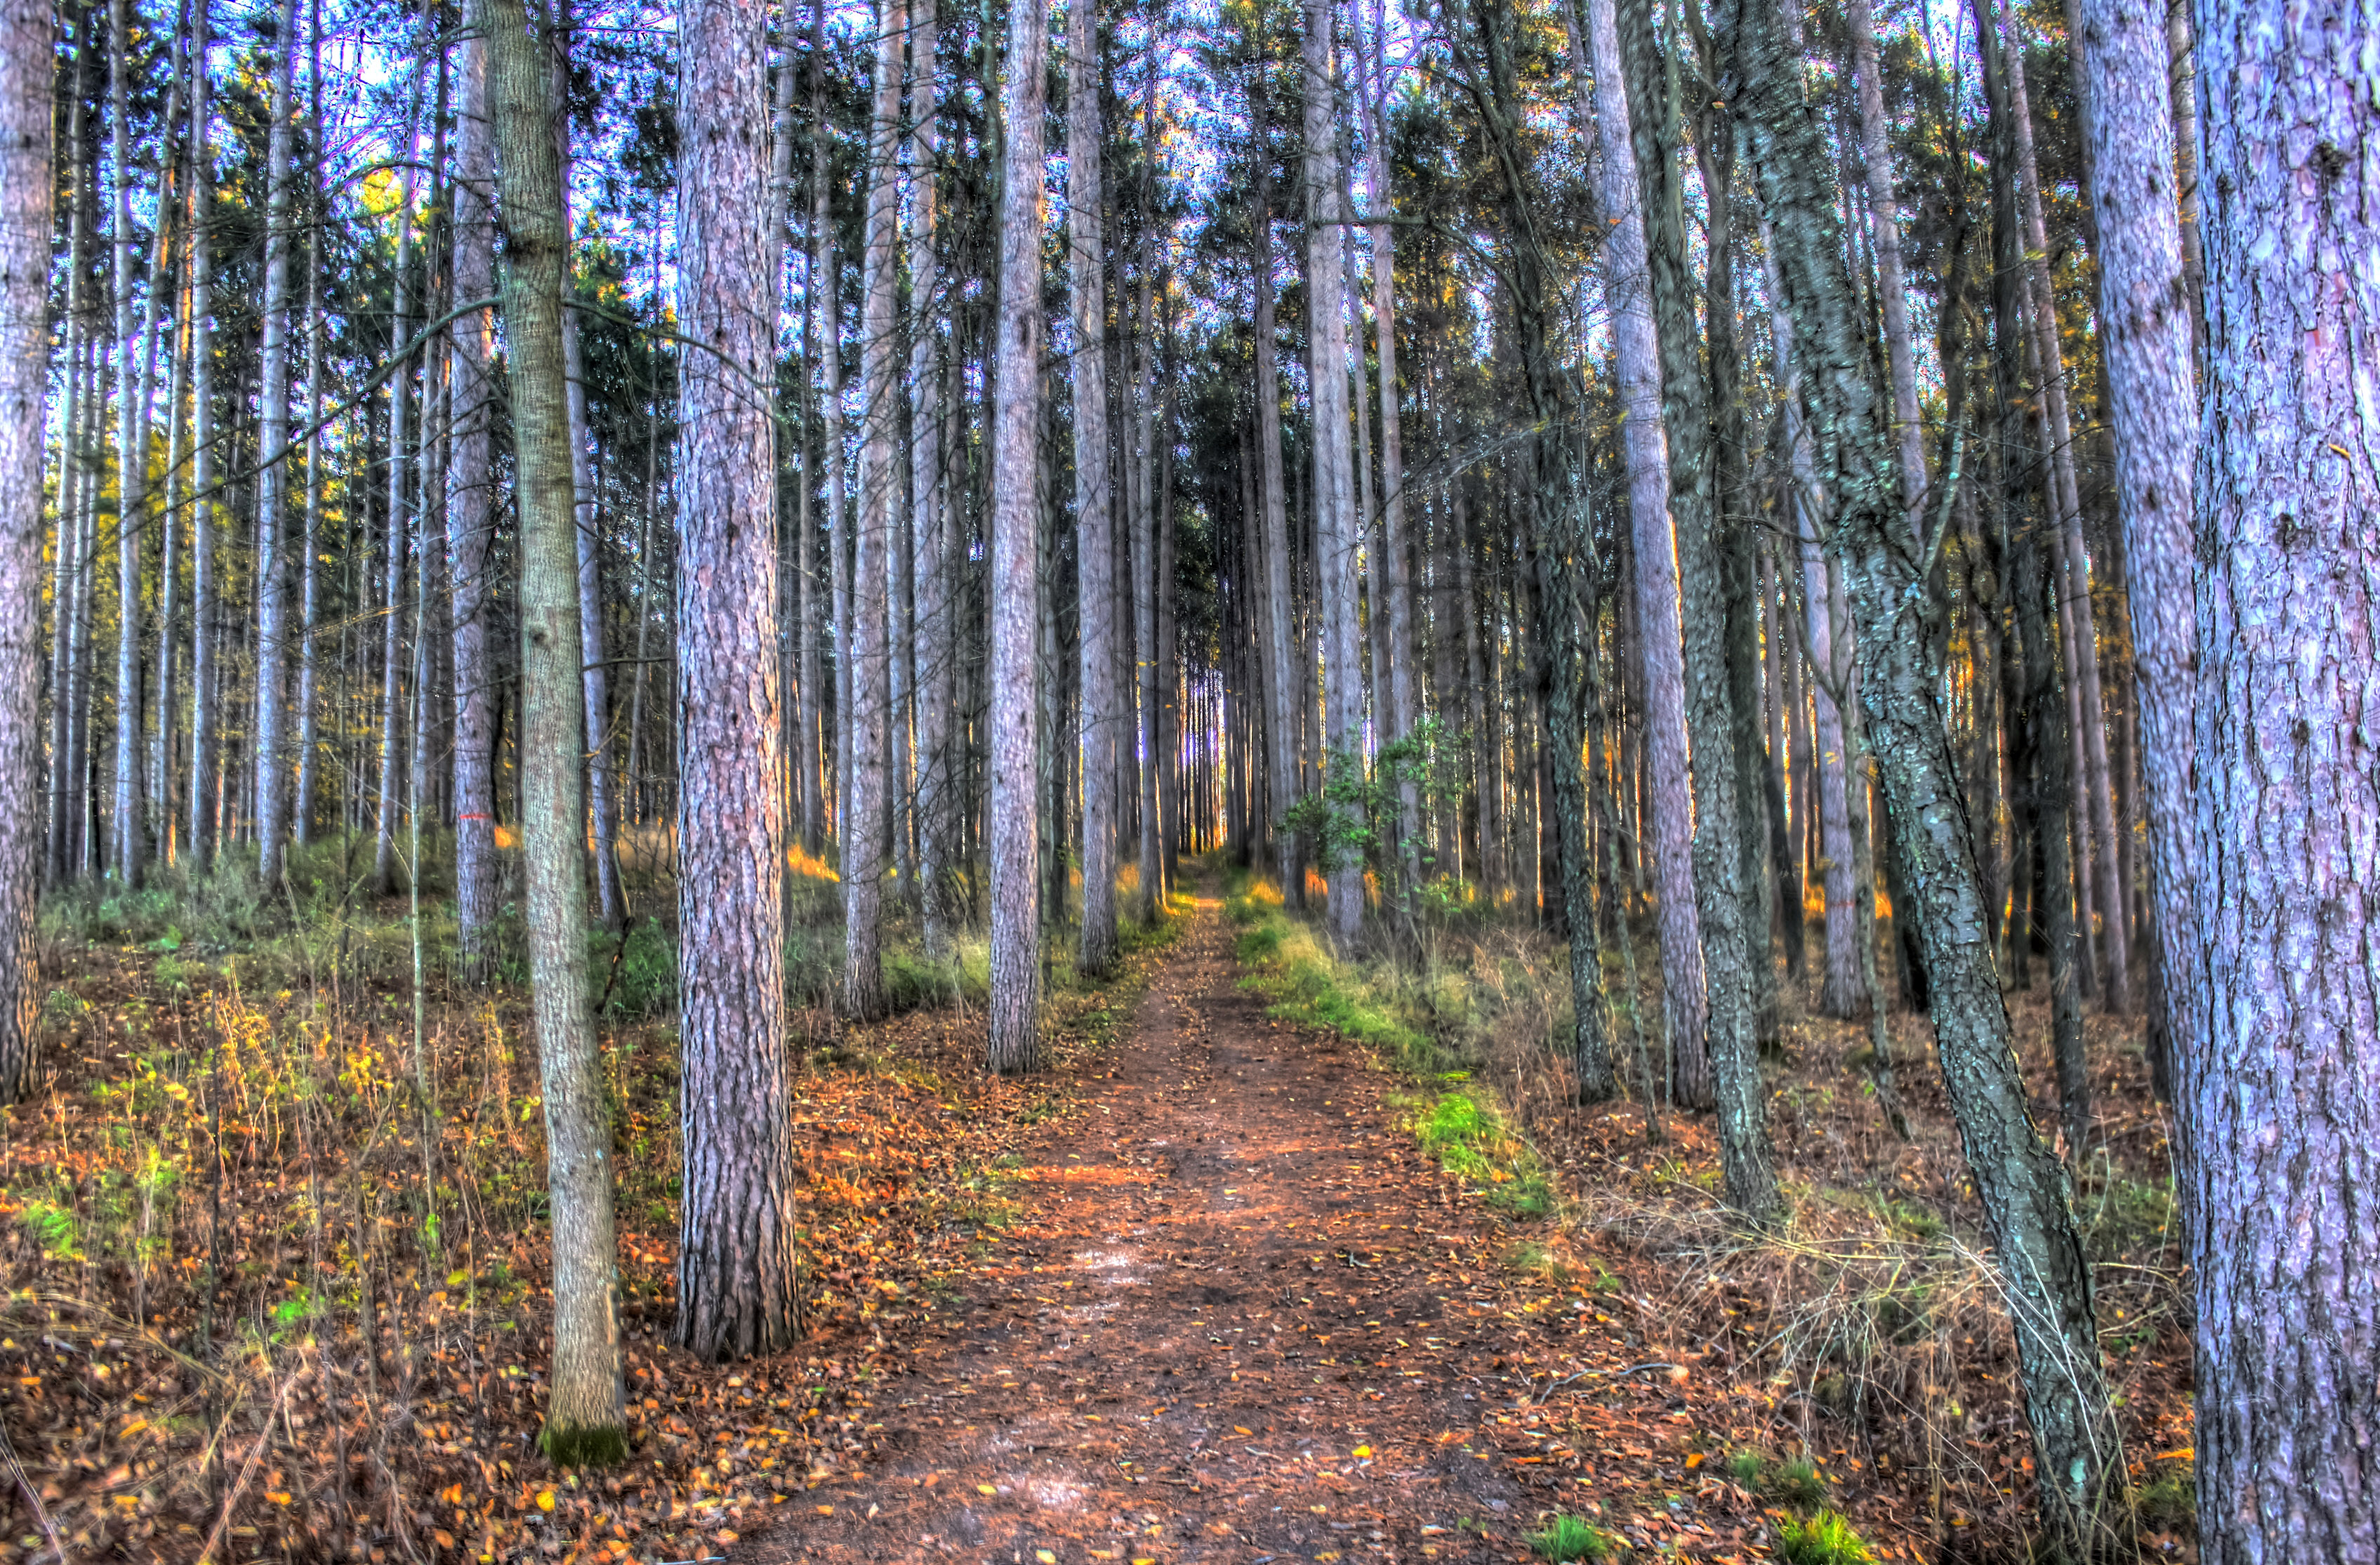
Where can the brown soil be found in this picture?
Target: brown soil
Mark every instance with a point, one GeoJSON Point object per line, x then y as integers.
{"type": "Point", "coordinates": [1241, 1317]}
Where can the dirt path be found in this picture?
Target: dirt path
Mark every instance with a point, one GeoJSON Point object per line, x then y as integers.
{"type": "Point", "coordinates": [1240, 1317]}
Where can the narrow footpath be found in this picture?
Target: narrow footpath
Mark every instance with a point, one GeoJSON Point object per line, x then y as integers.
{"type": "Point", "coordinates": [1241, 1317]}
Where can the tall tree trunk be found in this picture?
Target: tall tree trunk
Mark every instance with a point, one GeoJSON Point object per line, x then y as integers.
{"type": "Point", "coordinates": [1892, 283]}
{"type": "Point", "coordinates": [1144, 585]}
{"type": "Point", "coordinates": [1012, 754]}
{"type": "Point", "coordinates": [585, 1408]}
{"type": "Point", "coordinates": [2096, 795]}
{"type": "Point", "coordinates": [1094, 526]}
{"type": "Point", "coordinates": [1280, 650]}
{"type": "Point", "coordinates": [393, 657]}
{"type": "Point", "coordinates": [822, 313]}
{"type": "Point", "coordinates": [2022, 1185]}
{"type": "Point", "coordinates": [1338, 529]}
{"type": "Point", "coordinates": [268, 724]}
{"type": "Point", "coordinates": [2145, 309]}
{"type": "Point", "coordinates": [470, 513]}
{"type": "Point", "coordinates": [1655, 583]}
{"type": "Point", "coordinates": [1723, 910]}
{"type": "Point", "coordinates": [2279, 1083]}
{"type": "Point", "coordinates": [73, 476]}
{"type": "Point", "coordinates": [28, 69]}
{"type": "Point", "coordinates": [935, 562]}
{"type": "Point", "coordinates": [128, 826]}
{"type": "Point", "coordinates": [311, 542]}
{"type": "Point", "coordinates": [204, 512]}
{"type": "Point", "coordinates": [864, 859]}
{"type": "Point", "coordinates": [736, 1255]}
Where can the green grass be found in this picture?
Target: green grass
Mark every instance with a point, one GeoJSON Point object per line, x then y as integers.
{"type": "Point", "coordinates": [1567, 1538]}
{"type": "Point", "coordinates": [1794, 1481]}
{"type": "Point", "coordinates": [2169, 1502]}
{"type": "Point", "coordinates": [1824, 1538]}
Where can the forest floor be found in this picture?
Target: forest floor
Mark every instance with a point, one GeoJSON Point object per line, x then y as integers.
{"type": "Point", "coordinates": [1240, 1315]}
{"type": "Point", "coordinates": [1283, 1258]}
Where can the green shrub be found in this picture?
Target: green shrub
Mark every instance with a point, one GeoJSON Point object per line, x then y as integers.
{"type": "Point", "coordinates": [1821, 1539]}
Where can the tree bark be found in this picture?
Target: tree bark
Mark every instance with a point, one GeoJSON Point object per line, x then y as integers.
{"type": "Point", "coordinates": [28, 67]}
{"type": "Point", "coordinates": [2022, 1185]}
{"type": "Point", "coordinates": [1014, 1042]}
{"type": "Point", "coordinates": [1627, 290]}
{"type": "Point", "coordinates": [736, 1270]}
{"type": "Point", "coordinates": [269, 721]}
{"type": "Point", "coordinates": [936, 564]}
{"type": "Point", "coordinates": [2146, 321]}
{"type": "Point", "coordinates": [470, 513]}
{"type": "Point", "coordinates": [1280, 650]}
{"type": "Point", "coordinates": [2279, 1083]}
{"type": "Point", "coordinates": [393, 658]}
{"type": "Point", "coordinates": [585, 1408]}
{"type": "Point", "coordinates": [128, 826]}
{"type": "Point", "coordinates": [1338, 529]}
{"type": "Point", "coordinates": [1721, 905]}
{"type": "Point", "coordinates": [864, 859]}
{"type": "Point", "coordinates": [1094, 526]}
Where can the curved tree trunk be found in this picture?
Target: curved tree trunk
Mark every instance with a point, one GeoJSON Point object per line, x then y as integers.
{"type": "Point", "coordinates": [2023, 1184]}
{"type": "Point", "coordinates": [1012, 816]}
{"type": "Point", "coordinates": [27, 62]}
{"type": "Point", "coordinates": [737, 1257]}
{"type": "Point", "coordinates": [2279, 1079]}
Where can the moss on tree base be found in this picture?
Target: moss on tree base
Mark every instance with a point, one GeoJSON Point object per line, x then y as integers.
{"type": "Point", "coordinates": [584, 1445]}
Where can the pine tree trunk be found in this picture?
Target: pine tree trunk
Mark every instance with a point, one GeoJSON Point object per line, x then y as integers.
{"type": "Point", "coordinates": [1145, 584]}
{"type": "Point", "coordinates": [2145, 307]}
{"type": "Point", "coordinates": [1012, 755]}
{"type": "Point", "coordinates": [392, 557]}
{"type": "Point", "coordinates": [1095, 566]}
{"type": "Point", "coordinates": [864, 859]}
{"type": "Point", "coordinates": [585, 1408]}
{"type": "Point", "coordinates": [2279, 1084]}
{"type": "Point", "coordinates": [72, 478]}
{"type": "Point", "coordinates": [1338, 529]}
{"type": "Point", "coordinates": [269, 721]}
{"type": "Point", "coordinates": [2095, 793]}
{"type": "Point", "coordinates": [736, 1291]}
{"type": "Point", "coordinates": [310, 588]}
{"type": "Point", "coordinates": [127, 823]}
{"type": "Point", "coordinates": [820, 313]}
{"type": "Point", "coordinates": [470, 513]}
{"type": "Point", "coordinates": [1655, 583]}
{"type": "Point", "coordinates": [2022, 1185]}
{"type": "Point", "coordinates": [1721, 903]}
{"type": "Point", "coordinates": [935, 563]}
{"type": "Point", "coordinates": [28, 67]}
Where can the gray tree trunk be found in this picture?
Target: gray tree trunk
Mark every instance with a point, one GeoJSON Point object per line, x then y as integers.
{"type": "Point", "coordinates": [1013, 818]}
{"type": "Point", "coordinates": [2279, 1078]}
{"type": "Point", "coordinates": [127, 824]}
{"type": "Point", "coordinates": [935, 567]}
{"type": "Point", "coordinates": [309, 589]}
{"type": "Point", "coordinates": [1280, 652]}
{"type": "Point", "coordinates": [269, 722]}
{"type": "Point", "coordinates": [393, 657]}
{"type": "Point", "coordinates": [1338, 528]}
{"type": "Point", "coordinates": [2145, 309]}
{"type": "Point", "coordinates": [470, 513]}
{"type": "Point", "coordinates": [204, 512]}
{"type": "Point", "coordinates": [1721, 905]}
{"type": "Point", "coordinates": [28, 65]}
{"type": "Point", "coordinates": [1101, 724]}
{"type": "Point", "coordinates": [736, 1270]}
{"type": "Point", "coordinates": [819, 314]}
{"type": "Point", "coordinates": [585, 1408]}
{"type": "Point", "coordinates": [1627, 294]}
{"type": "Point", "coordinates": [864, 859]}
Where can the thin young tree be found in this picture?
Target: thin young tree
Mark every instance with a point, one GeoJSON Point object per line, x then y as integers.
{"type": "Point", "coordinates": [585, 1408]}
{"type": "Point", "coordinates": [737, 1257]}
{"type": "Point", "coordinates": [1013, 818]}
{"type": "Point", "coordinates": [2278, 1085]}
{"type": "Point", "coordinates": [127, 827]}
{"type": "Point", "coordinates": [28, 63]}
